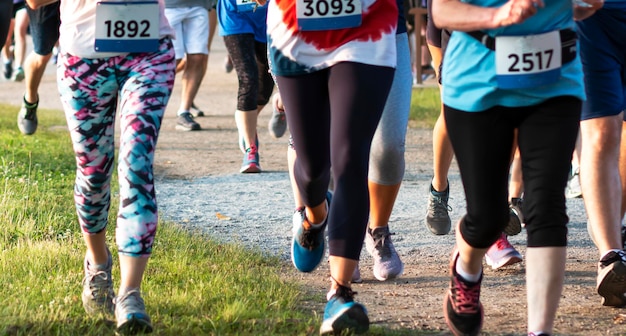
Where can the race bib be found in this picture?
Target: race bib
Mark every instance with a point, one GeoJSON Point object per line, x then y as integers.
{"type": "Point", "coordinates": [328, 14]}
{"type": "Point", "coordinates": [246, 5]}
{"type": "Point", "coordinates": [127, 26]}
{"type": "Point", "coordinates": [528, 61]}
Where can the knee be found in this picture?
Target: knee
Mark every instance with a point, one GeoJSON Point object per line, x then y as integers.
{"type": "Point", "coordinates": [480, 234]}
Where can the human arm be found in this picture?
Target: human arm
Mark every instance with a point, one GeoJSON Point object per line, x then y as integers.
{"type": "Point", "coordinates": [34, 4]}
{"type": "Point", "coordinates": [585, 8]}
{"type": "Point", "coordinates": [457, 15]}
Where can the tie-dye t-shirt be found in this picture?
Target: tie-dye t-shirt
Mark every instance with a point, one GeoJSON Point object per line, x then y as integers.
{"type": "Point", "coordinates": [293, 51]}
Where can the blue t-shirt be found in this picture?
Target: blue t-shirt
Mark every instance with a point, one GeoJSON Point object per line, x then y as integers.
{"type": "Point", "coordinates": [247, 18]}
{"type": "Point", "coordinates": [469, 72]}
{"type": "Point", "coordinates": [615, 4]}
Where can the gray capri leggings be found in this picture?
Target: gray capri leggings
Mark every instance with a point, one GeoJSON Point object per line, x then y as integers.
{"type": "Point", "coordinates": [386, 165]}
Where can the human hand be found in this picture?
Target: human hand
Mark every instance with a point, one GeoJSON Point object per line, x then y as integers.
{"type": "Point", "coordinates": [585, 8]}
{"type": "Point", "coordinates": [516, 11]}
{"type": "Point", "coordinates": [261, 2]}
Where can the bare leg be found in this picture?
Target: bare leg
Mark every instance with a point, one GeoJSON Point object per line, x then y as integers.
{"type": "Point", "coordinates": [622, 170]}
{"type": "Point", "coordinates": [600, 179]}
{"type": "Point", "coordinates": [131, 272]}
{"type": "Point", "coordinates": [442, 148]}
{"type": "Point", "coordinates": [34, 67]}
{"type": "Point", "coordinates": [192, 78]}
{"type": "Point", "coordinates": [21, 26]}
{"type": "Point", "coordinates": [382, 199]}
{"type": "Point", "coordinates": [516, 185]}
{"type": "Point", "coordinates": [545, 272]}
{"type": "Point", "coordinates": [96, 247]}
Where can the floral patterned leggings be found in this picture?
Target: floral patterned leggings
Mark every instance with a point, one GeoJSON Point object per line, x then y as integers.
{"type": "Point", "coordinates": [92, 90]}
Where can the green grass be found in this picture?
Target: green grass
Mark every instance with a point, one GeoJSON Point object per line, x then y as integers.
{"type": "Point", "coordinates": [193, 285]}
{"type": "Point", "coordinates": [425, 107]}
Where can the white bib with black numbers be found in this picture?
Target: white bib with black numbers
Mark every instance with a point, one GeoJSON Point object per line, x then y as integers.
{"type": "Point", "coordinates": [328, 14]}
{"type": "Point", "coordinates": [127, 26]}
{"type": "Point", "coordinates": [528, 61]}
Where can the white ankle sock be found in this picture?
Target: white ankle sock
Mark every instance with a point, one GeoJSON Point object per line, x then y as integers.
{"type": "Point", "coordinates": [466, 276]}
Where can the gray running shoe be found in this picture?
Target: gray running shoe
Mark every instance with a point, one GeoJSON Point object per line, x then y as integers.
{"type": "Point", "coordinates": [27, 118]}
{"type": "Point", "coordinates": [356, 275]}
{"type": "Point", "coordinates": [185, 122]}
{"type": "Point", "coordinates": [130, 314]}
{"type": "Point", "coordinates": [98, 291]}
{"type": "Point", "coordinates": [18, 75]}
{"type": "Point", "coordinates": [573, 189]}
{"type": "Point", "coordinates": [516, 218]}
{"type": "Point", "coordinates": [195, 111]}
{"type": "Point", "coordinates": [437, 217]}
{"type": "Point", "coordinates": [611, 282]}
{"type": "Point", "coordinates": [387, 263]}
{"type": "Point", "coordinates": [278, 122]}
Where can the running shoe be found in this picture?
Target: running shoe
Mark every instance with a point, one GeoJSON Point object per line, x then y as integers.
{"type": "Point", "coordinates": [308, 245]}
{"type": "Point", "coordinates": [461, 306]}
{"type": "Point", "coordinates": [573, 188]}
{"type": "Point", "coordinates": [251, 161]}
{"type": "Point", "coordinates": [185, 122]}
{"type": "Point", "coordinates": [228, 65]}
{"type": "Point", "coordinates": [18, 76]}
{"type": "Point", "coordinates": [278, 122]}
{"type": "Point", "coordinates": [437, 215]}
{"type": "Point", "coordinates": [130, 314]}
{"type": "Point", "coordinates": [8, 69]}
{"type": "Point", "coordinates": [502, 253]}
{"type": "Point", "coordinates": [195, 111]}
{"type": "Point", "coordinates": [387, 263]}
{"type": "Point", "coordinates": [516, 218]}
{"type": "Point", "coordinates": [611, 282]}
{"type": "Point", "coordinates": [356, 275]}
{"type": "Point", "coordinates": [27, 118]}
{"type": "Point", "coordinates": [98, 291]}
{"type": "Point", "coordinates": [242, 143]}
{"type": "Point", "coordinates": [343, 315]}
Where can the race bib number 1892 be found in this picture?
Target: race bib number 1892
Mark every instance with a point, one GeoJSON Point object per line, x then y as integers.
{"type": "Point", "coordinates": [328, 14]}
{"type": "Point", "coordinates": [127, 26]}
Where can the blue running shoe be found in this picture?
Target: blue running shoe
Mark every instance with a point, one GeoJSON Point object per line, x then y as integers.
{"type": "Point", "coordinates": [251, 161]}
{"type": "Point", "coordinates": [308, 246]}
{"type": "Point", "coordinates": [343, 314]}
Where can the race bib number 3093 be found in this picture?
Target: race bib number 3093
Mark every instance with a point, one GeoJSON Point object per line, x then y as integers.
{"type": "Point", "coordinates": [328, 14]}
{"type": "Point", "coordinates": [127, 26]}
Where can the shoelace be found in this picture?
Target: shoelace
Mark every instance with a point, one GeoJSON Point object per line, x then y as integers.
{"type": "Point", "coordinates": [345, 293]}
{"type": "Point", "coordinates": [379, 244]}
{"type": "Point", "coordinates": [251, 152]}
{"type": "Point", "coordinates": [30, 113]}
{"type": "Point", "coordinates": [308, 239]}
{"type": "Point", "coordinates": [465, 297]}
{"type": "Point", "coordinates": [503, 243]}
{"type": "Point", "coordinates": [439, 207]}
{"type": "Point", "coordinates": [130, 301]}
{"type": "Point", "coordinates": [98, 282]}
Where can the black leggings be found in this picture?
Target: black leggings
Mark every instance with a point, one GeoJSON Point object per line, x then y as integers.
{"type": "Point", "coordinates": [6, 11]}
{"type": "Point", "coordinates": [249, 59]}
{"type": "Point", "coordinates": [482, 143]}
{"type": "Point", "coordinates": [332, 115]}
